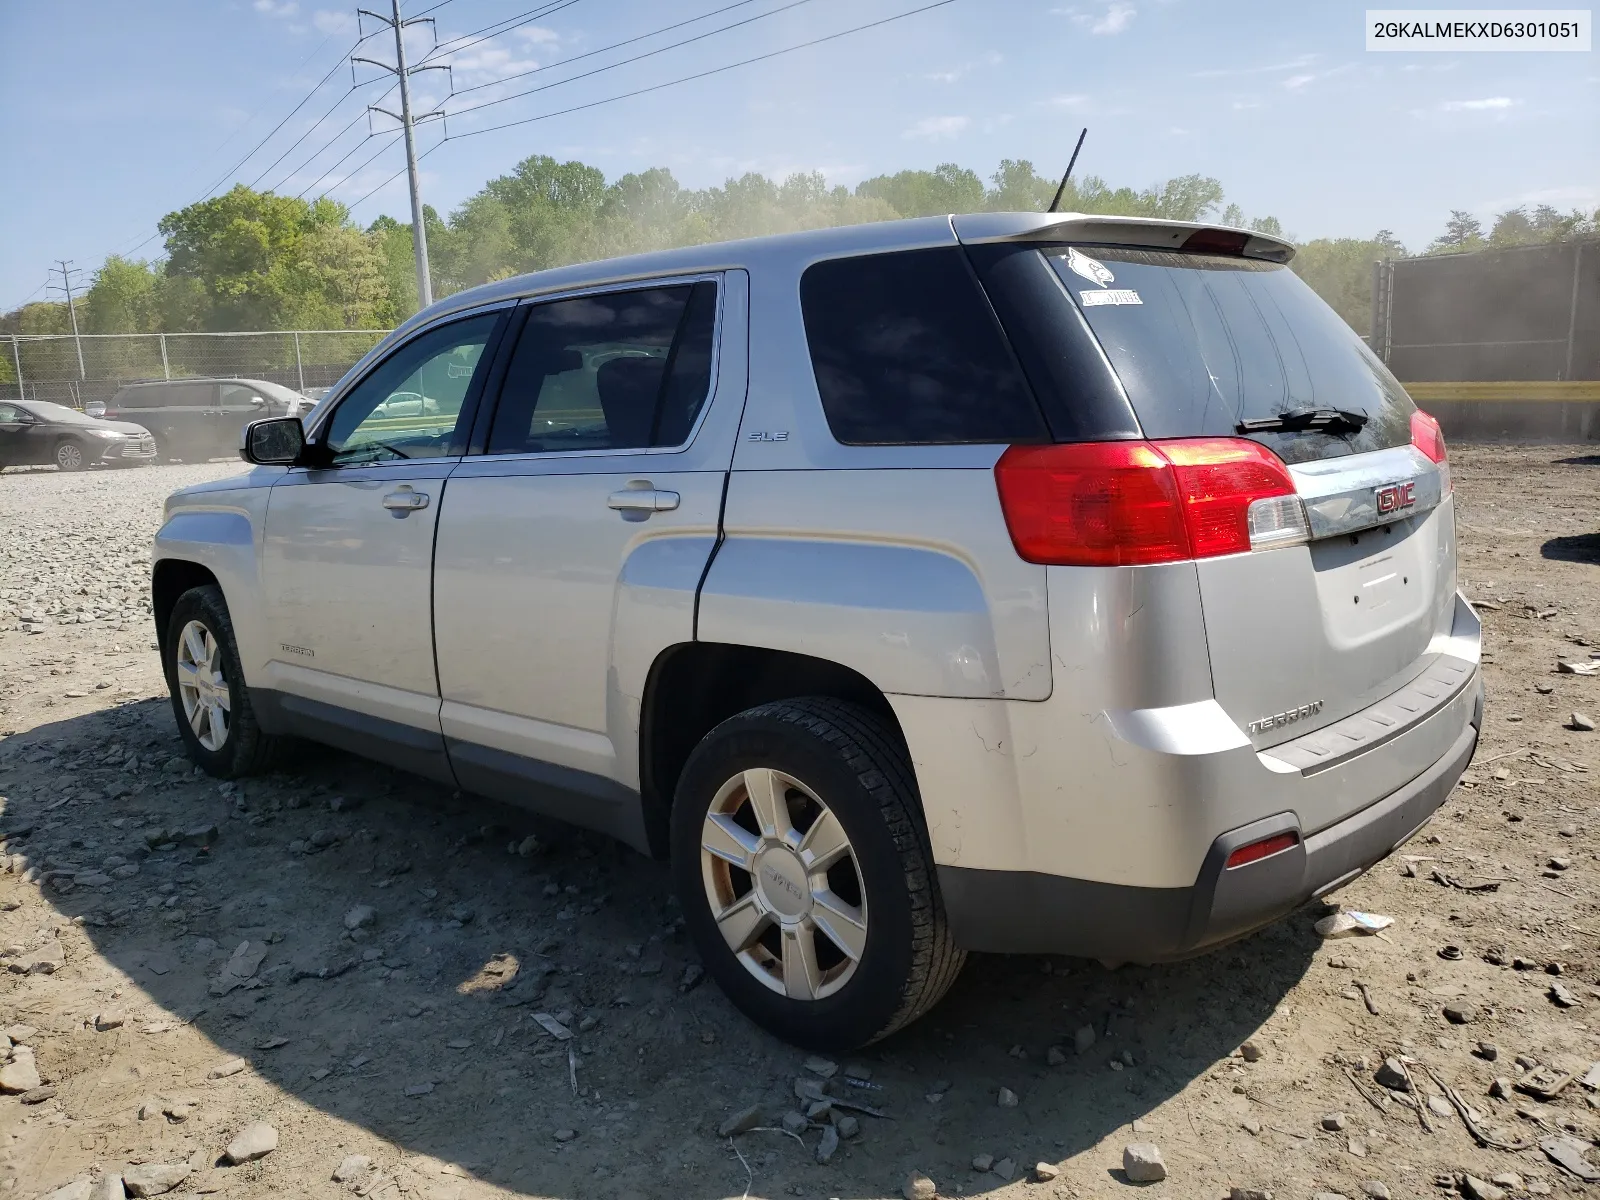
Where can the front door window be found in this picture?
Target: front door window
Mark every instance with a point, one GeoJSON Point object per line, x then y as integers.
{"type": "Point", "coordinates": [411, 405]}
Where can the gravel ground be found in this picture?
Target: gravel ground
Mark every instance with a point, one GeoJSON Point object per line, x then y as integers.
{"type": "Point", "coordinates": [372, 966]}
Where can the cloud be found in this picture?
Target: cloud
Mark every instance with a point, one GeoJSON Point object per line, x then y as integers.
{"type": "Point", "coordinates": [1112, 18]}
{"type": "Point", "coordinates": [1071, 101]}
{"type": "Point", "coordinates": [287, 8]}
{"type": "Point", "coordinates": [1489, 104]}
{"type": "Point", "coordinates": [538, 35]}
{"type": "Point", "coordinates": [935, 128]}
{"type": "Point", "coordinates": [1293, 64]}
{"type": "Point", "coordinates": [1295, 82]}
{"type": "Point", "coordinates": [992, 59]}
{"type": "Point", "coordinates": [329, 21]}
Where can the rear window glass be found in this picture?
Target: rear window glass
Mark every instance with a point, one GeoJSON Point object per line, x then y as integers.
{"type": "Point", "coordinates": [907, 351]}
{"type": "Point", "coordinates": [1202, 343]}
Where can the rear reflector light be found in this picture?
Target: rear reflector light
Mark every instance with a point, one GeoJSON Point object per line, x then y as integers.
{"type": "Point", "coordinates": [1429, 438]}
{"type": "Point", "coordinates": [1130, 503]}
{"type": "Point", "coordinates": [1266, 847]}
{"type": "Point", "coordinates": [1217, 241]}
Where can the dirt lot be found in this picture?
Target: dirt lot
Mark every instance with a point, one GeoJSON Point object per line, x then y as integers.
{"type": "Point", "coordinates": [206, 928]}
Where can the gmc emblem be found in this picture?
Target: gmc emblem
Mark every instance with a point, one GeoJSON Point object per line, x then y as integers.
{"type": "Point", "coordinates": [1397, 496]}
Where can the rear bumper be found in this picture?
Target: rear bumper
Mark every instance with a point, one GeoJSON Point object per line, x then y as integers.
{"type": "Point", "coordinates": [1025, 912]}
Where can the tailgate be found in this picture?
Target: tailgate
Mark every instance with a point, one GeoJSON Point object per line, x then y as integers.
{"type": "Point", "coordinates": [1303, 636]}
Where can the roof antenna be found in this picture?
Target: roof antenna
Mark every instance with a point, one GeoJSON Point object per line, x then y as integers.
{"type": "Point", "coordinates": [1070, 165]}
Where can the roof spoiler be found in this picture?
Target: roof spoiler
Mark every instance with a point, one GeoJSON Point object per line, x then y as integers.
{"type": "Point", "coordinates": [1147, 232]}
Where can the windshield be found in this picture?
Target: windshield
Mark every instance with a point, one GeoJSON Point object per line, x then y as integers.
{"type": "Point", "coordinates": [59, 414]}
{"type": "Point", "coordinates": [1205, 342]}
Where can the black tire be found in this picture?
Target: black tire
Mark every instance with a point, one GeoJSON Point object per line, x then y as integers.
{"type": "Point", "coordinates": [246, 750]}
{"type": "Point", "coordinates": [70, 455]}
{"type": "Point", "coordinates": [856, 763]}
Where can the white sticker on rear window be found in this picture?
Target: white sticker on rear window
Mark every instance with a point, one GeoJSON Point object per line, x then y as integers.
{"type": "Point", "coordinates": [1111, 296]}
{"type": "Point", "coordinates": [1091, 269]}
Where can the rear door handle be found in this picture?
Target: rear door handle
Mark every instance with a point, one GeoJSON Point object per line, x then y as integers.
{"type": "Point", "coordinates": [404, 501]}
{"type": "Point", "coordinates": [643, 499]}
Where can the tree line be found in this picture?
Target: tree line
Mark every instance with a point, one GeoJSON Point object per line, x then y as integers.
{"type": "Point", "coordinates": [249, 260]}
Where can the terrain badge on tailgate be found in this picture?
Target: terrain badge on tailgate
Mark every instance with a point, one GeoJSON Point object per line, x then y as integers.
{"type": "Point", "coordinates": [1286, 718]}
{"type": "Point", "coordinates": [1397, 496]}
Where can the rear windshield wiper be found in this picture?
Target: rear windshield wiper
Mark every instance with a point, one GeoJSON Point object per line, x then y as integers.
{"type": "Point", "coordinates": [1328, 420]}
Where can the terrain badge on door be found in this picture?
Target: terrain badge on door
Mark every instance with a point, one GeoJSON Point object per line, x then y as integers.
{"type": "Point", "coordinates": [300, 650]}
{"type": "Point", "coordinates": [1397, 496]}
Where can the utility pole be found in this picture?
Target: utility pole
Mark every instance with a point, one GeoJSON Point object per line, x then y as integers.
{"type": "Point", "coordinates": [64, 265]}
{"type": "Point", "coordinates": [419, 234]}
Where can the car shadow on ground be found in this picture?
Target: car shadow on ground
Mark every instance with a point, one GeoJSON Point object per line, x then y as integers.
{"type": "Point", "coordinates": [419, 1025]}
{"type": "Point", "coordinates": [1578, 548]}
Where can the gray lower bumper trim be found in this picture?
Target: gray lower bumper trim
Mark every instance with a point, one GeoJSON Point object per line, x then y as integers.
{"type": "Point", "coordinates": [1023, 912]}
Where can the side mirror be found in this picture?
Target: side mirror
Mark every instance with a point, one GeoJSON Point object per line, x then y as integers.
{"type": "Point", "coordinates": [277, 441]}
{"type": "Point", "coordinates": [256, 402]}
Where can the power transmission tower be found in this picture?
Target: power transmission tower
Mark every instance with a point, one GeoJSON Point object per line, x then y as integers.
{"type": "Point", "coordinates": [64, 265]}
{"type": "Point", "coordinates": [419, 235]}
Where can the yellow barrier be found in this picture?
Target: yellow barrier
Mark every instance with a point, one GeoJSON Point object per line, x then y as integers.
{"type": "Point", "coordinates": [1542, 391]}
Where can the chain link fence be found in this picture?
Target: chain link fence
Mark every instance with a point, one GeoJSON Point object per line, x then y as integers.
{"type": "Point", "coordinates": [75, 370]}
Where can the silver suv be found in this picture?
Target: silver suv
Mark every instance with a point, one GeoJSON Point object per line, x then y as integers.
{"type": "Point", "coordinates": [1003, 582]}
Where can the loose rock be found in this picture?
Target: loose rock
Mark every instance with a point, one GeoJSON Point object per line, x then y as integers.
{"type": "Point", "coordinates": [1375, 1189]}
{"type": "Point", "coordinates": [78, 1189]}
{"type": "Point", "coordinates": [828, 1146]}
{"type": "Point", "coordinates": [1393, 1076]}
{"type": "Point", "coordinates": [740, 1122]}
{"type": "Point", "coordinates": [224, 1069]}
{"type": "Point", "coordinates": [918, 1187]}
{"type": "Point", "coordinates": [1250, 1052]}
{"type": "Point", "coordinates": [1479, 1189]}
{"type": "Point", "coordinates": [1007, 1098]}
{"type": "Point", "coordinates": [351, 1168]}
{"type": "Point", "coordinates": [982, 1162]}
{"type": "Point", "coordinates": [1142, 1162]}
{"type": "Point", "coordinates": [256, 1140]}
{"type": "Point", "coordinates": [360, 917]}
{"type": "Point", "coordinates": [154, 1179]}
{"type": "Point", "coordinates": [1083, 1039]}
{"type": "Point", "coordinates": [1335, 1122]}
{"type": "Point", "coordinates": [1581, 722]}
{"type": "Point", "coordinates": [1006, 1168]}
{"type": "Point", "coordinates": [1044, 1172]}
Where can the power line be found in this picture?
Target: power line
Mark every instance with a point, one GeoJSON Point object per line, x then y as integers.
{"type": "Point", "coordinates": [705, 74]}
{"type": "Point", "coordinates": [499, 27]}
{"type": "Point", "coordinates": [362, 167]}
{"type": "Point", "coordinates": [307, 133]}
{"type": "Point", "coordinates": [328, 145]}
{"type": "Point", "coordinates": [454, 137]}
{"type": "Point", "coordinates": [699, 37]}
{"type": "Point", "coordinates": [716, 12]}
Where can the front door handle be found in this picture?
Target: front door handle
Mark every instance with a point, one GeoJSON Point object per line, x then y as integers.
{"type": "Point", "coordinates": [405, 501]}
{"type": "Point", "coordinates": [645, 499]}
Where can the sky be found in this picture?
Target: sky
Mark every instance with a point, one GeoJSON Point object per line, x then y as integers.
{"type": "Point", "coordinates": [121, 113]}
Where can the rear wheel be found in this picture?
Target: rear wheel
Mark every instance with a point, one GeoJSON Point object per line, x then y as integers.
{"type": "Point", "coordinates": [209, 697]}
{"type": "Point", "coordinates": [69, 456]}
{"type": "Point", "coordinates": [805, 874]}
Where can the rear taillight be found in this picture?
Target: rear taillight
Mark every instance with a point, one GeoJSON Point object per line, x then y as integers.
{"type": "Point", "coordinates": [1429, 438]}
{"type": "Point", "coordinates": [1106, 504]}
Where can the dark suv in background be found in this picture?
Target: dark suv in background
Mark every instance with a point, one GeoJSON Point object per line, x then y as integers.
{"type": "Point", "coordinates": [201, 418]}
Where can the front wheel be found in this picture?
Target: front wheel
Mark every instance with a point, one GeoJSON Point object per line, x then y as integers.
{"type": "Point", "coordinates": [69, 456]}
{"type": "Point", "coordinates": [805, 874]}
{"type": "Point", "coordinates": [209, 696]}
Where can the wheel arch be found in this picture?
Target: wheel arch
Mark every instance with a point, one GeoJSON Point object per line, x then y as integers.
{"type": "Point", "coordinates": [694, 686]}
{"type": "Point", "coordinates": [169, 579]}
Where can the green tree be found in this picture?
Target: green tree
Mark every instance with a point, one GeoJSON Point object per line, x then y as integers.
{"type": "Point", "coordinates": [1340, 271]}
{"type": "Point", "coordinates": [1462, 231]}
{"type": "Point", "coordinates": [124, 298]}
{"type": "Point", "coordinates": [948, 188]}
{"type": "Point", "coordinates": [1019, 188]}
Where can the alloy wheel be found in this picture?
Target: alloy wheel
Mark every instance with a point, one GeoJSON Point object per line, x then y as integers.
{"type": "Point", "coordinates": [69, 456]}
{"type": "Point", "coordinates": [783, 884]}
{"type": "Point", "coordinates": [202, 686]}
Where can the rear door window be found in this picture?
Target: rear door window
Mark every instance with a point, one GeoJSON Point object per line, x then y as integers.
{"type": "Point", "coordinates": [907, 351]}
{"type": "Point", "coordinates": [1205, 342]}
